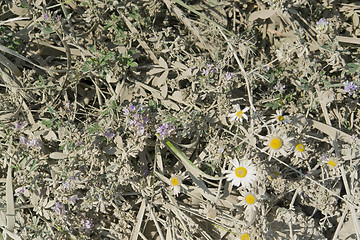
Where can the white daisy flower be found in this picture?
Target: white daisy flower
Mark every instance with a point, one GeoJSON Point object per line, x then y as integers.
{"type": "Point", "coordinates": [243, 173]}
{"type": "Point", "coordinates": [176, 183]}
{"type": "Point", "coordinates": [244, 236]}
{"type": "Point", "coordinates": [300, 150]}
{"type": "Point", "coordinates": [238, 114]}
{"type": "Point", "coordinates": [331, 162]}
{"type": "Point", "coordinates": [277, 143]}
{"type": "Point", "coordinates": [250, 201]}
{"type": "Point", "coordinates": [279, 117]}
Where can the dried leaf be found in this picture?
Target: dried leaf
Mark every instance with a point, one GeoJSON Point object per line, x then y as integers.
{"type": "Point", "coordinates": [10, 208]}
{"type": "Point", "coordinates": [263, 14]}
{"type": "Point", "coordinates": [58, 155]}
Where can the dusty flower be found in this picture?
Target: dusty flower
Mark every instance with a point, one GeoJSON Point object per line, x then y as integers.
{"type": "Point", "coordinates": [165, 130]}
{"type": "Point", "coordinates": [277, 143]}
{"type": "Point", "coordinates": [350, 87]}
{"type": "Point", "coordinates": [249, 200]}
{"type": "Point", "coordinates": [279, 87]}
{"type": "Point", "coordinates": [300, 150]}
{"type": "Point", "coordinates": [243, 173]}
{"type": "Point", "coordinates": [279, 117]}
{"type": "Point", "coordinates": [331, 162]}
{"type": "Point", "coordinates": [176, 183]}
{"type": "Point", "coordinates": [244, 236]}
{"type": "Point", "coordinates": [109, 134]}
{"type": "Point", "coordinates": [322, 25]}
{"type": "Point", "coordinates": [239, 114]}
{"type": "Point", "coordinates": [20, 125]}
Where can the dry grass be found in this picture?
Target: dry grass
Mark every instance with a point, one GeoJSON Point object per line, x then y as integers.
{"type": "Point", "coordinates": [124, 119]}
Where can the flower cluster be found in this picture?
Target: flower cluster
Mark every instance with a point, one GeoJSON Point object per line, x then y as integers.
{"type": "Point", "coordinates": [34, 143]}
{"type": "Point", "coordinates": [136, 120]}
{"type": "Point", "coordinates": [207, 69]}
{"type": "Point", "coordinates": [322, 25]}
{"type": "Point", "coordinates": [350, 87]}
{"type": "Point", "coordinates": [165, 130]}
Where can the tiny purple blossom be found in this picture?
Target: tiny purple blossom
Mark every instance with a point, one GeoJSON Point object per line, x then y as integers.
{"type": "Point", "coordinates": [59, 209]}
{"type": "Point", "coordinates": [109, 134]}
{"type": "Point", "coordinates": [21, 191]}
{"type": "Point", "coordinates": [279, 87]}
{"type": "Point", "coordinates": [46, 16]}
{"type": "Point", "coordinates": [34, 143]}
{"type": "Point", "coordinates": [350, 87]}
{"type": "Point", "coordinates": [23, 140]}
{"type": "Point", "coordinates": [20, 125]}
{"type": "Point", "coordinates": [66, 185]}
{"type": "Point", "coordinates": [322, 25]}
{"type": "Point", "coordinates": [73, 198]}
{"type": "Point", "coordinates": [165, 130]}
{"type": "Point", "coordinates": [87, 224]}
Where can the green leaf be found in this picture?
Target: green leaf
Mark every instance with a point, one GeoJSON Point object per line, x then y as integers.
{"type": "Point", "coordinates": [48, 30]}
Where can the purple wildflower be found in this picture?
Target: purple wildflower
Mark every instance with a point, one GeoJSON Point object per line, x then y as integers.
{"type": "Point", "coordinates": [66, 185]}
{"type": "Point", "coordinates": [165, 130]}
{"type": "Point", "coordinates": [59, 209]}
{"type": "Point", "coordinates": [34, 143]}
{"type": "Point", "coordinates": [109, 134]}
{"type": "Point", "coordinates": [23, 140]}
{"type": "Point", "coordinates": [322, 25]}
{"type": "Point", "coordinates": [19, 191]}
{"type": "Point", "coordinates": [20, 125]}
{"type": "Point", "coordinates": [279, 87]}
{"type": "Point", "coordinates": [207, 69]}
{"type": "Point", "coordinates": [136, 120]}
{"type": "Point", "coordinates": [46, 16]}
{"type": "Point", "coordinates": [73, 198]}
{"type": "Point", "coordinates": [79, 143]}
{"type": "Point", "coordinates": [87, 224]}
{"type": "Point", "coordinates": [350, 87]}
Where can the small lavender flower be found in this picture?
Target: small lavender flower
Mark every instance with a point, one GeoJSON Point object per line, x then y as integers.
{"type": "Point", "coordinates": [79, 143]}
{"type": "Point", "coordinates": [136, 120]}
{"type": "Point", "coordinates": [66, 185]}
{"type": "Point", "coordinates": [73, 199]}
{"type": "Point", "coordinates": [279, 87]}
{"type": "Point", "coordinates": [227, 76]}
{"type": "Point", "coordinates": [350, 87]}
{"type": "Point", "coordinates": [207, 69]}
{"type": "Point", "coordinates": [23, 140]}
{"type": "Point", "coordinates": [20, 125]}
{"type": "Point", "coordinates": [87, 224]}
{"type": "Point", "coordinates": [59, 209]}
{"type": "Point", "coordinates": [46, 15]}
{"type": "Point", "coordinates": [109, 134]}
{"type": "Point", "coordinates": [19, 191]}
{"type": "Point", "coordinates": [165, 130]}
{"type": "Point", "coordinates": [34, 143]}
{"type": "Point", "coordinates": [322, 25]}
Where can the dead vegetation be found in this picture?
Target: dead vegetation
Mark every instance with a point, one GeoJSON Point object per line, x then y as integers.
{"type": "Point", "coordinates": [123, 119]}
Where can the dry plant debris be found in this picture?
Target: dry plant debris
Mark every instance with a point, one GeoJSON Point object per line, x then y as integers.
{"type": "Point", "coordinates": [179, 119]}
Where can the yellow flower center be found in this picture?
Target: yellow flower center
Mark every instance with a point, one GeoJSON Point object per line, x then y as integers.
{"type": "Point", "coordinates": [239, 114]}
{"type": "Point", "coordinates": [245, 236]}
{"type": "Point", "coordinates": [280, 118]}
{"type": "Point", "coordinates": [276, 143]}
{"type": "Point", "coordinates": [250, 199]}
{"type": "Point", "coordinates": [332, 163]}
{"type": "Point", "coordinates": [240, 172]}
{"type": "Point", "coordinates": [300, 147]}
{"type": "Point", "coordinates": [174, 181]}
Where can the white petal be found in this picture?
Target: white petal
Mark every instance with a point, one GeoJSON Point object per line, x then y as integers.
{"type": "Point", "coordinates": [246, 109]}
